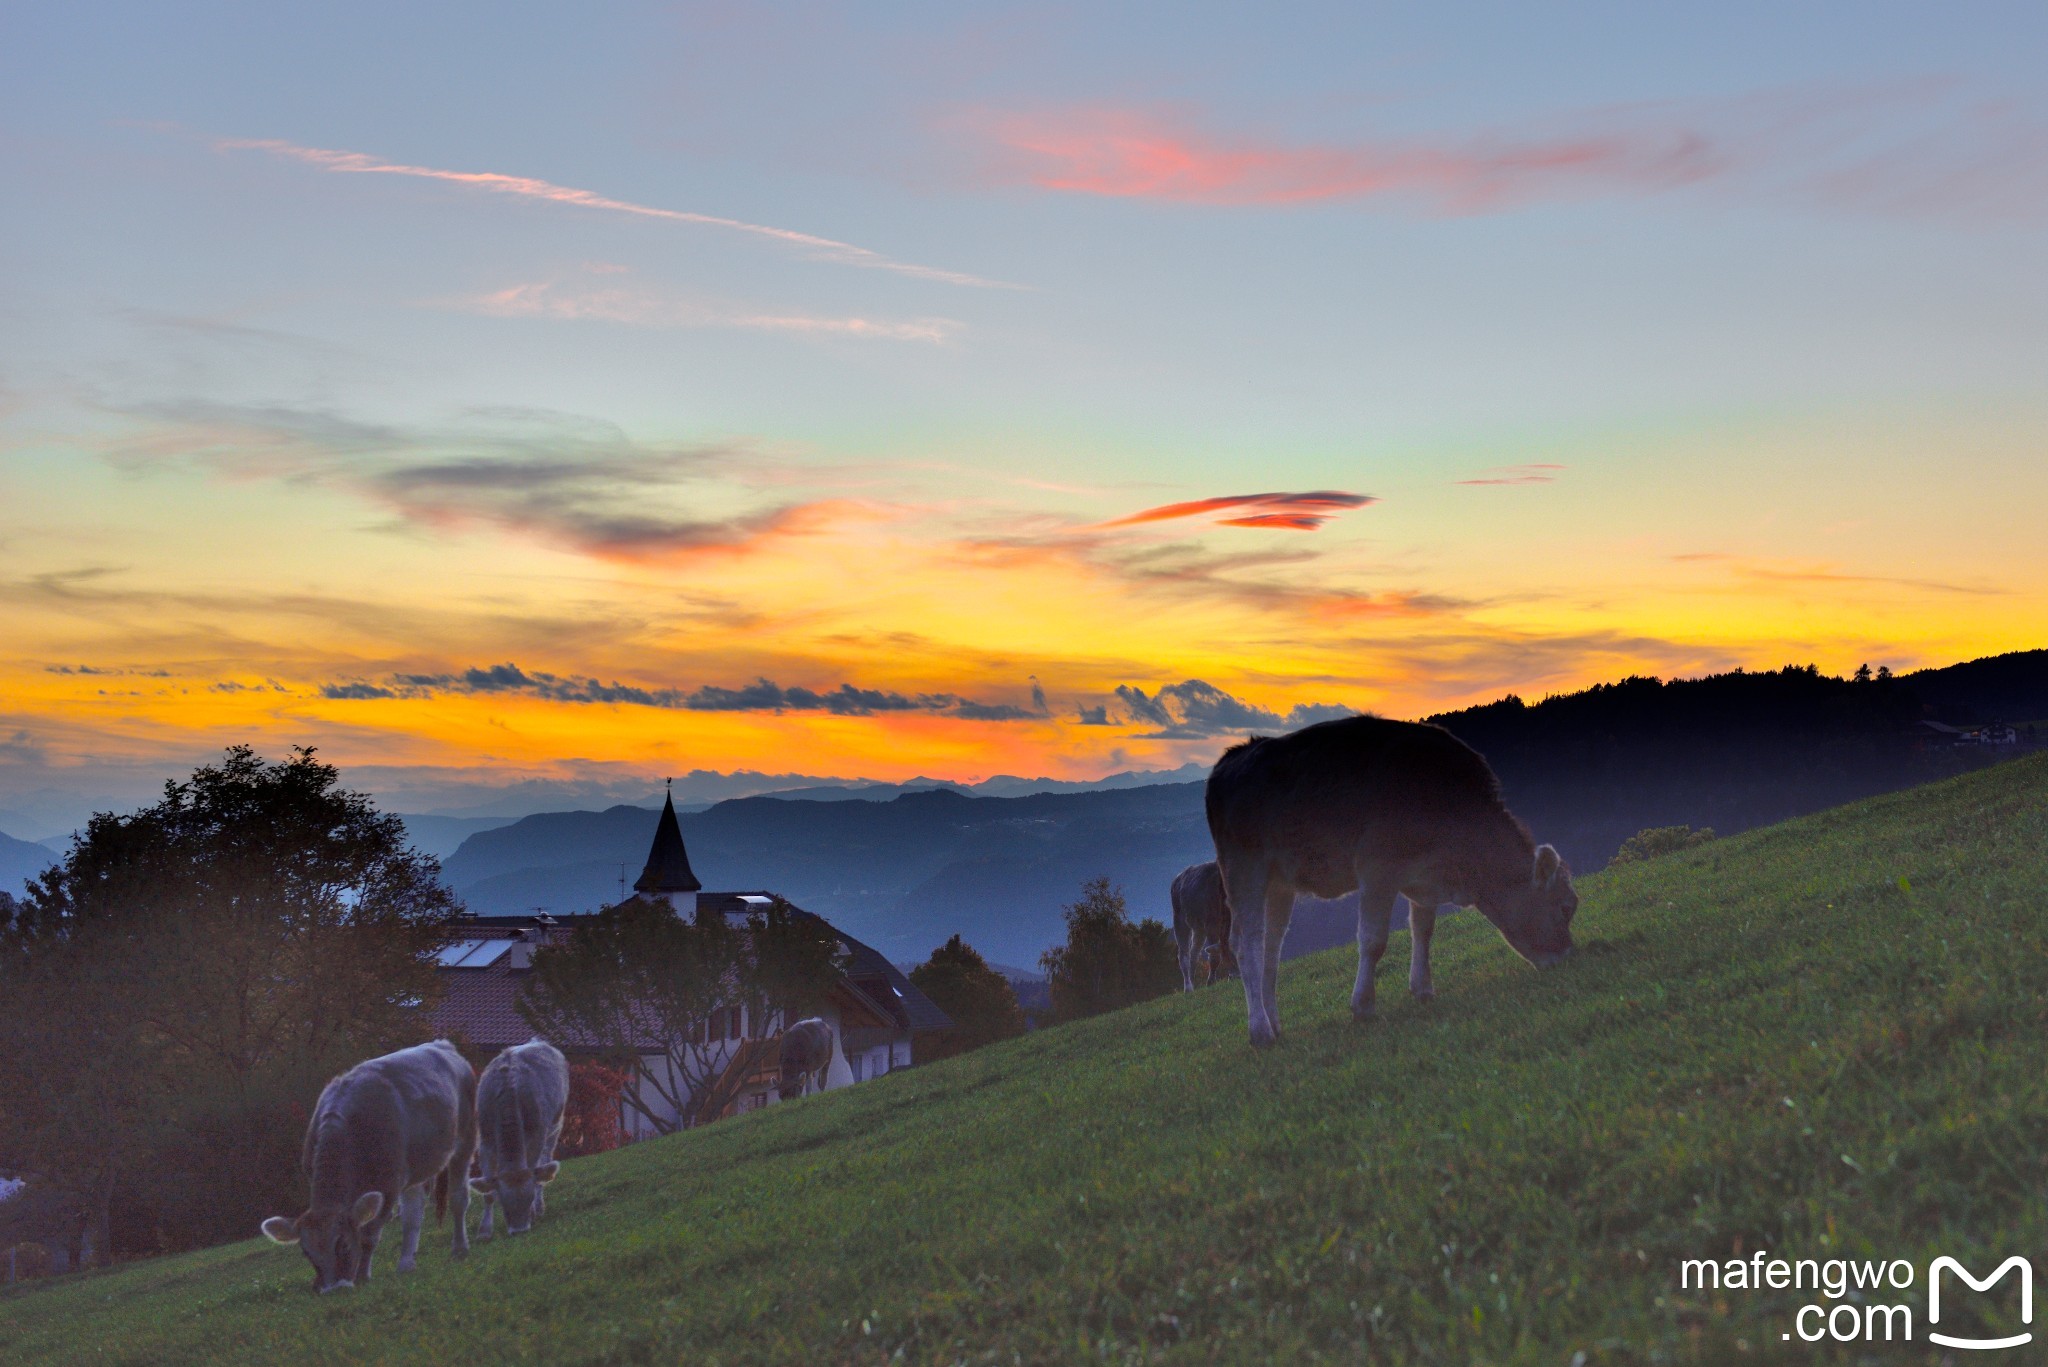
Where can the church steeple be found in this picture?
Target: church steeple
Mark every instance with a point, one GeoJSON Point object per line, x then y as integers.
{"type": "Point", "coordinates": [668, 863]}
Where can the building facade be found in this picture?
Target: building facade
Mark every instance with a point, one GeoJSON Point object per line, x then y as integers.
{"type": "Point", "coordinates": [876, 1014]}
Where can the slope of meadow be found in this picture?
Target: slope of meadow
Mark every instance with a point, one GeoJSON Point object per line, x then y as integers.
{"type": "Point", "coordinates": [1822, 1038]}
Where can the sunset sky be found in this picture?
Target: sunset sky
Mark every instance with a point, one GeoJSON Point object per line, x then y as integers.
{"type": "Point", "coordinates": [547, 399]}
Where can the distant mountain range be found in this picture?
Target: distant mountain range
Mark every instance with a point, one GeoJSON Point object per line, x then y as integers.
{"type": "Point", "coordinates": [441, 834]}
{"type": "Point", "coordinates": [21, 860]}
{"type": "Point", "coordinates": [1586, 770]}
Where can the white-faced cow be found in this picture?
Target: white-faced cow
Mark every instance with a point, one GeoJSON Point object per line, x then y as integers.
{"type": "Point", "coordinates": [381, 1132]}
{"type": "Point", "coordinates": [1201, 924]}
{"type": "Point", "coordinates": [519, 1103]}
{"type": "Point", "coordinates": [1388, 808]}
{"type": "Point", "coordinates": [806, 1054]}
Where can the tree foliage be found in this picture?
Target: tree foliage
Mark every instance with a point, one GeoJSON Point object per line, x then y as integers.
{"type": "Point", "coordinates": [981, 1002]}
{"type": "Point", "coordinates": [1655, 840]}
{"type": "Point", "coordinates": [1108, 961]}
{"type": "Point", "coordinates": [590, 1121]}
{"type": "Point", "coordinates": [175, 991]}
{"type": "Point", "coordinates": [652, 990]}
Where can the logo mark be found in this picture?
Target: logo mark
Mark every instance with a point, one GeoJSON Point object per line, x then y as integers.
{"type": "Point", "coordinates": [2026, 1300]}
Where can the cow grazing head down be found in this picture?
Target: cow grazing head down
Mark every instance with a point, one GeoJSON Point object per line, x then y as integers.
{"type": "Point", "coordinates": [517, 1192]}
{"type": "Point", "coordinates": [1535, 917]}
{"type": "Point", "coordinates": [333, 1240]}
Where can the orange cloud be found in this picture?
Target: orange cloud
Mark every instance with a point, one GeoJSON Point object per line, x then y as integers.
{"type": "Point", "coordinates": [1756, 571]}
{"type": "Point", "coordinates": [1146, 155]}
{"type": "Point", "coordinates": [1297, 512]}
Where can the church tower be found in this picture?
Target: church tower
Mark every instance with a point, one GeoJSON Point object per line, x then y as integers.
{"type": "Point", "coordinates": [668, 866]}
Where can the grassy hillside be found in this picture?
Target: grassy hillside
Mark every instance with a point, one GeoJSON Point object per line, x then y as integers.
{"type": "Point", "coordinates": [1824, 1038]}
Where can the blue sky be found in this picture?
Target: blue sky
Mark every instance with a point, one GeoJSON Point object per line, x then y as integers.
{"type": "Point", "coordinates": [1660, 339]}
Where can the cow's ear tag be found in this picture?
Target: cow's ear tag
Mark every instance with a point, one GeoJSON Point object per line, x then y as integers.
{"type": "Point", "coordinates": [367, 1207]}
{"type": "Point", "coordinates": [546, 1171]}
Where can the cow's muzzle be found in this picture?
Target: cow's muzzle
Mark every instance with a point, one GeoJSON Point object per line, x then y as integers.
{"type": "Point", "coordinates": [343, 1285]}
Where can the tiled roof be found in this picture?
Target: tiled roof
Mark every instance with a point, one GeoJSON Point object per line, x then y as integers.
{"type": "Point", "coordinates": [478, 1003]}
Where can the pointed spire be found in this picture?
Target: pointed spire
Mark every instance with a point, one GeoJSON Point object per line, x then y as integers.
{"type": "Point", "coordinates": [668, 863]}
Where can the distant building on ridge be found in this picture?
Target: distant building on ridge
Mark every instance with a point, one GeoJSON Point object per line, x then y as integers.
{"type": "Point", "coordinates": [877, 1015]}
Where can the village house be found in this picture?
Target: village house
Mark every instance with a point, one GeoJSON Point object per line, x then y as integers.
{"type": "Point", "coordinates": [878, 1017]}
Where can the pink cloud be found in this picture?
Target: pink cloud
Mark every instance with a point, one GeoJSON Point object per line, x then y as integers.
{"type": "Point", "coordinates": [1534, 472]}
{"type": "Point", "coordinates": [1918, 148]}
{"type": "Point", "coordinates": [1132, 154]}
{"type": "Point", "coordinates": [1295, 512]}
{"type": "Point", "coordinates": [526, 187]}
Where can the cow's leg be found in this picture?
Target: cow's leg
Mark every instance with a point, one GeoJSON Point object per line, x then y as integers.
{"type": "Point", "coordinates": [1279, 911]}
{"type": "Point", "coordinates": [1375, 916]}
{"type": "Point", "coordinates": [367, 1250]}
{"type": "Point", "coordinates": [483, 1228]}
{"type": "Point", "coordinates": [458, 1199]}
{"type": "Point", "coordinates": [457, 1175]}
{"type": "Point", "coordinates": [1185, 938]}
{"type": "Point", "coordinates": [412, 1211]}
{"type": "Point", "coordinates": [1421, 928]}
{"type": "Point", "coordinates": [1244, 881]}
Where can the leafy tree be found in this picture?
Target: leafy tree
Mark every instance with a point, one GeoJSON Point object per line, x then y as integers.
{"type": "Point", "coordinates": [1108, 961]}
{"type": "Point", "coordinates": [590, 1121]}
{"type": "Point", "coordinates": [651, 990]}
{"type": "Point", "coordinates": [1656, 840]}
{"type": "Point", "coordinates": [980, 1000]}
{"type": "Point", "coordinates": [178, 987]}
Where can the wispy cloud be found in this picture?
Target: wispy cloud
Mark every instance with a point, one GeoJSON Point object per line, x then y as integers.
{"type": "Point", "coordinates": [1793, 573]}
{"type": "Point", "coordinates": [528, 187]}
{"type": "Point", "coordinates": [1188, 572]}
{"type": "Point", "coordinates": [583, 486]}
{"type": "Point", "coordinates": [641, 308]}
{"type": "Point", "coordinates": [1295, 512]}
{"type": "Point", "coordinates": [1534, 472]}
{"type": "Point", "coordinates": [1920, 148]}
{"type": "Point", "coordinates": [762, 695]}
{"type": "Point", "coordinates": [1141, 154]}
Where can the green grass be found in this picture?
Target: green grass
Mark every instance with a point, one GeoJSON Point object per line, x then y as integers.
{"type": "Point", "coordinates": [1824, 1038]}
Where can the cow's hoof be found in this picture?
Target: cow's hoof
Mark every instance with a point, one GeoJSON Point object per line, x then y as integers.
{"type": "Point", "coordinates": [459, 1252]}
{"type": "Point", "coordinates": [1426, 994]}
{"type": "Point", "coordinates": [405, 1263]}
{"type": "Point", "coordinates": [1362, 1015]}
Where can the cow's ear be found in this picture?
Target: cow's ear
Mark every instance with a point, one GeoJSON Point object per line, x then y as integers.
{"type": "Point", "coordinates": [367, 1207]}
{"type": "Point", "coordinates": [1547, 864]}
{"type": "Point", "coordinates": [281, 1230]}
{"type": "Point", "coordinates": [546, 1172]}
{"type": "Point", "coordinates": [483, 1186]}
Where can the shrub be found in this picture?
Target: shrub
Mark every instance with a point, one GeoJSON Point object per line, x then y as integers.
{"type": "Point", "coordinates": [1652, 841]}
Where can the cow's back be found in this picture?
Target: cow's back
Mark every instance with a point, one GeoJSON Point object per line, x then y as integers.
{"type": "Point", "coordinates": [1329, 792]}
{"type": "Point", "coordinates": [390, 1121]}
{"type": "Point", "coordinates": [520, 1101]}
{"type": "Point", "coordinates": [1197, 895]}
{"type": "Point", "coordinates": [806, 1047]}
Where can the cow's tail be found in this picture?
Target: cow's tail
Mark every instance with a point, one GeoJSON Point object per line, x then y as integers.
{"type": "Point", "coordinates": [441, 1197]}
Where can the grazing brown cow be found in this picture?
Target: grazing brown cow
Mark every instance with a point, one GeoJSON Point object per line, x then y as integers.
{"type": "Point", "coordinates": [1201, 924]}
{"type": "Point", "coordinates": [519, 1103]}
{"type": "Point", "coordinates": [1388, 808]}
{"type": "Point", "coordinates": [806, 1054]}
{"type": "Point", "coordinates": [380, 1133]}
